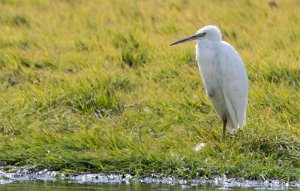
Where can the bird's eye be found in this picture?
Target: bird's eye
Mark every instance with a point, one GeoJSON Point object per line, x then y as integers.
{"type": "Point", "coordinates": [204, 33]}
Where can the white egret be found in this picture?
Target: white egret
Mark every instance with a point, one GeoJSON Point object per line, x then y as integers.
{"type": "Point", "coordinates": [223, 75]}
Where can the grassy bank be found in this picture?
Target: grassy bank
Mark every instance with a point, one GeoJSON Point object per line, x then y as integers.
{"type": "Point", "coordinates": [94, 86]}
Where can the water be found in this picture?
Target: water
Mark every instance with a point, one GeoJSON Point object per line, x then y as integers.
{"type": "Point", "coordinates": [28, 178]}
{"type": "Point", "coordinates": [37, 186]}
{"type": "Point", "coordinates": [64, 186]}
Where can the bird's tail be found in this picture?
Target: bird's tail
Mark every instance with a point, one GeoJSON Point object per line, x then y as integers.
{"type": "Point", "coordinates": [235, 120]}
{"type": "Point", "coordinates": [233, 124]}
{"type": "Point", "coordinates": [230, 125]}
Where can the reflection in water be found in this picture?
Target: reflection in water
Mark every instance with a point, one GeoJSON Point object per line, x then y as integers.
{"type": "Point", "coordinates": [37, 186]}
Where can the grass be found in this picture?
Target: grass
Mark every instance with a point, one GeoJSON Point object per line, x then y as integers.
{"type": "Point", "coordinates": [94, 86]}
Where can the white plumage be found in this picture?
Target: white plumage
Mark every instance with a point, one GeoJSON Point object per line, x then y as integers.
{"type": "Point", "coordinates": [223, 75]}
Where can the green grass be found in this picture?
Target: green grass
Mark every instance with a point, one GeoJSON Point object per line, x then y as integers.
{"type": "Point", "coordinates": [94, 86]}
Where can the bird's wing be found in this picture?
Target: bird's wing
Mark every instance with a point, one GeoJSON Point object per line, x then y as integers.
{"type": "Point", "coordinates": [232, 79]}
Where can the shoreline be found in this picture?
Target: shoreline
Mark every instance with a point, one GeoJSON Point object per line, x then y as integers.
{"type": "Point", "coordinates": [28, 174]}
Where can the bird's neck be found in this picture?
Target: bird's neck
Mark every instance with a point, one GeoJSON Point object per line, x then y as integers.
{"type": "Point", "coordinates": [207, 43]}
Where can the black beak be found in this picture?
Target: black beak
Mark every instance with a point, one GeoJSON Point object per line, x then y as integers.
{"type": "Point", "coordinates": [194, 37]}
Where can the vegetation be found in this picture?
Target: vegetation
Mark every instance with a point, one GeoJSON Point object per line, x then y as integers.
{"type": "Point", "coordinates": [94, 86]}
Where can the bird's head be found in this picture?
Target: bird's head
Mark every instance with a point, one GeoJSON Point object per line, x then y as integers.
{"type": "Point", "coordinates": [210, 32]}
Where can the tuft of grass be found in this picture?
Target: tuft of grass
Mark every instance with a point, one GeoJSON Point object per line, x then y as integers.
{"type": "Point", "coordinates": [133, 52]}
{"type": "Point", "coordinates": [80, 46]}
{"type": "Point", "coordinates": [277, 75]}
{"type": "Point", "coordinates": [19, 21]}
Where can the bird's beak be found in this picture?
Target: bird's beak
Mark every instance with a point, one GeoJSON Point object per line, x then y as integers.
{"type": "Point", "coordinates": [194, 37]}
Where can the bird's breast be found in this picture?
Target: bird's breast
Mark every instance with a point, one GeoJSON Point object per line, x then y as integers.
{"type": "Point", "coordinates": [206, 58]}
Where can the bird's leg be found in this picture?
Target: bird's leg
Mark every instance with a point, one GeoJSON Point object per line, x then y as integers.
{"type": "Point", "coordinates": [224, 128]}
